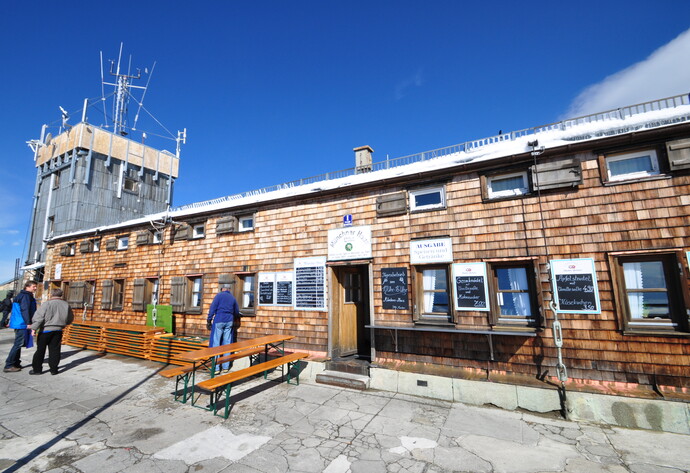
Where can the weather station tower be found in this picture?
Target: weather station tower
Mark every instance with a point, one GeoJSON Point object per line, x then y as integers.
{"type": "Point", "coordinates": [89, 175]}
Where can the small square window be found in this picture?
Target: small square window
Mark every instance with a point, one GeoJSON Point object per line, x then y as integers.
{"type": "Point", "coordinates": [123, 242]}
{"type": "Point", "coordinates": [96, 245]}
{"type": "Point", "coordinates": [130, 185]}
{"type": "Point", "coordinates": [198, 231]}
{"type": "Point", "coordinates": [627, 166]}
{"type": "Point", "coordinates": [507, 185]}
{"type": "Point", "coordinates": [247, 223]}
{"type": "Point", "coordinates": [157, 237]}
{"type": "Point", "coordinates": [428, 198]}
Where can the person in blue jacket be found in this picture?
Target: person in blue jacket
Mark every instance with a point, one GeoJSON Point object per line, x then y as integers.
{"type": "Point", "coordinates": [222, 317]}
{"type": "Point", "coordinates": [23, 309]}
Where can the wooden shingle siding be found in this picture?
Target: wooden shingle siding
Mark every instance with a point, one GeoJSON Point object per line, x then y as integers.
{"type": "Point", "coordinates": [589, 220]}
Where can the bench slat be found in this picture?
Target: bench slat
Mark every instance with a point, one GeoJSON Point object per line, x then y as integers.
{"type": "Point", "coordinates": [239, 354]}
{"type": "Point", "coordinates": [218, 381]}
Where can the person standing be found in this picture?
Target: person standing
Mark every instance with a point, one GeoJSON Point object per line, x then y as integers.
{"type": "Point", "coordinates": [49, 321]}
{"type": "Point", "coordinates": [222, 315]}
{"type": "Point", "coordinates": [6, 308]}
{"type": "Point", "coordinates": [23, 309]}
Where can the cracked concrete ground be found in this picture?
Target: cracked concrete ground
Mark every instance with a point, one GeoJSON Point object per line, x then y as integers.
{"type": "Point", "coordinates": [109, 414]}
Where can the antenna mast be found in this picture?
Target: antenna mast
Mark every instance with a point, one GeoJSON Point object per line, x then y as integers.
{"type": "Point", "coordinates": [122, 84]}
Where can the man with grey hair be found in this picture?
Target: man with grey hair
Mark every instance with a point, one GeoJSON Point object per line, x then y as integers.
{"type": "Point", "coordinates": [222, 318]}
{"type": "Point", "coordinates": [49, 321]}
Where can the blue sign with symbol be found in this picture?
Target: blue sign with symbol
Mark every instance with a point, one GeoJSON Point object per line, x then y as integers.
{"type": "Point", "coordinates": [347, 220]}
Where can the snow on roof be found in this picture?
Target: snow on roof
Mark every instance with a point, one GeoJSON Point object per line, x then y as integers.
{"type": "Point", "coordinates": [549, 136]}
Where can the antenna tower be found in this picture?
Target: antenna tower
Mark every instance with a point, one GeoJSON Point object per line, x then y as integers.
{"type": "Point", "coordinates": [123, 84]}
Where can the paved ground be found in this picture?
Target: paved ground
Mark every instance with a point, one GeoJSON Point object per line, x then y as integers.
{"type": "Point", "coordinates": [109, 414]}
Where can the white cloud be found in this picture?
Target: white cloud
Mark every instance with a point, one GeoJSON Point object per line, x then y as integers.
{"type": "Point", "coordinates": [413, 81]}
{"type": "Point", "coordinates": [666, 72]}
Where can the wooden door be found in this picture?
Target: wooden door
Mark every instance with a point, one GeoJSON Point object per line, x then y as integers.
{"type": "Point", "coordinates": [351, 305]}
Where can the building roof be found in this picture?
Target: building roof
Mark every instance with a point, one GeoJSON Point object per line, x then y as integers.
{"type": "Point", "coordinates": [647, 116]}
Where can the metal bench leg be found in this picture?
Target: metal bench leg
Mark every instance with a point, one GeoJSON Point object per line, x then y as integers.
{"type": "Point", "coordinates": [227, 399]}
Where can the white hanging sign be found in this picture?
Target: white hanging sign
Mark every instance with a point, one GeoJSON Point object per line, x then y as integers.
{"type": "Point", "coordinates": [436, 250]}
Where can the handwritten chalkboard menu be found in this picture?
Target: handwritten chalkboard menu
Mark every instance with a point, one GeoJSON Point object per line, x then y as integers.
{"type": "Point", "coordinates": [471, 290]}
{"type": "Point", "coordinates": [267, 288]}
{"type": "Point", "coordinates": [310, 283]}
{"type": "Point", "coordinates": [284, 288]}
{"type": "Point", "coordinates": [394, 288]}
{"type": "Point", "coordinates": [575, 284]}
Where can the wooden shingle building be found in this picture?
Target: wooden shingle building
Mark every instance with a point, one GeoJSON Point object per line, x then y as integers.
{"type": "Point", "coordinates": [458, 262]}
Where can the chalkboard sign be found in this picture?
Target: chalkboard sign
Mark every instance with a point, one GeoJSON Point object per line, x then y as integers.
{"type": "Point", "coordinates": [471, 289]}
{"type": "Point", "coordinates": [284, 288]}
{"type": "Point", "coordinates": [310, 283]}
{"type": "Point", "coordinates": [394, 289]}
{"type": "Point", "coordinates": [575, 288]}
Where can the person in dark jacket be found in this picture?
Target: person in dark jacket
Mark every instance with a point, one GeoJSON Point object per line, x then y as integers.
{"type": "Point", "coordinates": [6, 308]}
{"type": "Point", "coordinates": [48, 322]}
{"type": "Point", "coordinates": [23, 309]}
{"type": "Point", "coordinates": [221, 320]}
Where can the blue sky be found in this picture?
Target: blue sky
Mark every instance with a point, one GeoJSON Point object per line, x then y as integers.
{"type": "Point", "coordinates": [273, 91]}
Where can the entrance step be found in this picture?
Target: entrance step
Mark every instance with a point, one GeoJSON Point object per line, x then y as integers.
{"type": "Point", "coordinates": [349, 365]}
{"type": "Point", "coordinates": [343, 380]}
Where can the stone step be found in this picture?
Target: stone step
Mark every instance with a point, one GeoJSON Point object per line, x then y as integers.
{"type": "Point", "coordinates": [352, 366]}
{"type": "Point", "coordinates": [343, 380]}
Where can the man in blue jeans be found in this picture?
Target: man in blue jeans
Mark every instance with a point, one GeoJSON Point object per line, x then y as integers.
{"type": "Point", "coordinates": [24, 307]}
{"type": "Point", "coordinates": [221, 318]}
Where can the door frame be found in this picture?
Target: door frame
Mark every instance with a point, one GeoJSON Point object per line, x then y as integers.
{"type": "Point", "coordinates": [364, 345]}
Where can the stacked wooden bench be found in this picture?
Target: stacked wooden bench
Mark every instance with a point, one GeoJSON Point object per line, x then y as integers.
{"type": "Point", "coordinates": [216, 385]}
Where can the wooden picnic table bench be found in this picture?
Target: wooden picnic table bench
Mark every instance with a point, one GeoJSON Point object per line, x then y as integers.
{"type": "Point", "coordinates": [208, 358]}
{"type": "Point", "coordinates": [224, 382]}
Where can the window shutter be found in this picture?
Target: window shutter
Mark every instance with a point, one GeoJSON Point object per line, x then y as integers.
{"type": "Point", "coordinates": [107, 294]}
{"type": "Point", "coordinates": [143, 238]}
{"type": "Point", "coordinates": [555, 174]}
{"type": "Point", "coordinates": [678, 154]}
{"type": "Point", "coordinates": [85, 247]}
{"type": "Point", "coordinates": [64, 251]}
{"type": "Point", "coordinates": [416, 309]}
{"type": "Point", "coordinates": [183, 232]}
{"type": "Point", "coordinates": [178, 291]}
{"type": "Point", "coordinates": [226, 279]}
{"type": "Point", "coordinates": [111, 244]}
{"type": "Point", "coordinates": [391, 204]}
{"type": "Point", "coordinates": [138, 296]}
{"type": "Point", "coordinates": [76, 295]}
{"type": "Point", "coordinates": [226, 225]}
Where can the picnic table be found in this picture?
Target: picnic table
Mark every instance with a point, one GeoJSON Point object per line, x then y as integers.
{"type": "Point", "coordinates": [210, 358]}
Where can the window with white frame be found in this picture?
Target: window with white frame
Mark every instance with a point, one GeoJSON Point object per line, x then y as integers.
{"type": "Point", "coordinates": [157, 237]}
{"type": "Point", "coordinates": [507, 185]}
{"type": "Point", "coordinates": [123, 242]}
{"type": "Point", "coordinates": [96, 245]}
{"type": "Point", "coordinates": [635, 165]}
{"type": "Point", "coordinates": [198, 230]}
{"type": "Point", "coordinates": [247, 293]}
{"type": "Point", "coordinates": [246, 223]}
{"type": "Point", "coordinates": [428, 198]}
{"type": "Point", "coordinates": [194, 293]}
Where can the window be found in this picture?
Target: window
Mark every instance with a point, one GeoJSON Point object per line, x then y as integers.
{"type": "Point", "coordinates": [96, 245]}
{"type": "Point", "coordinates": [247, 291]}
{"type": "Point", "coordinates": [186, 294]}
{"type": "Point", "coordinates": [145, 293]}
{"type": "Point", "coordinates": [131, 185]}
{"type": "Point", "coordinates": [515, 301]}
{"type": "Point", "coordinates": [507, 185]}
{"type": "Point", "coordinates": [118, 293]}
{"type": "Point", "coordinates": [90, 293]}
{"type": "Point", "coordinates": [51, 225]}
{"type": "Point", "coordinates": [151, 293]}
{"type": "Point", "coordinates": [428, 198]}
{"type": "Point", "coordinates": [247, 223]}
{"type": "Point", "coordinates": [157, 237]}
{"type": "Point", "coordinates": [637, 165]}
{"type": "Point", "coordinates": [432, 294]}
{"type": "Point", "coordinates": [56, 180]}
{"type": "Point", "coordinates": [198, 231]}
{"type": "Point", "coordinates": [650, 293]}
{"type": "Point", "coordinates": [122, 242]}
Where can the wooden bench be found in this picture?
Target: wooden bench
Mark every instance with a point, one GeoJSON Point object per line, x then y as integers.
{"type": "Point", "coordinates": [182, 373]}
{"type": "Point", "coordinates": [224, 382]}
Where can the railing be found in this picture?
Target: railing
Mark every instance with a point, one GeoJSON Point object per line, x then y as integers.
{"type": "Point", "coordinates": [469, 146]}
